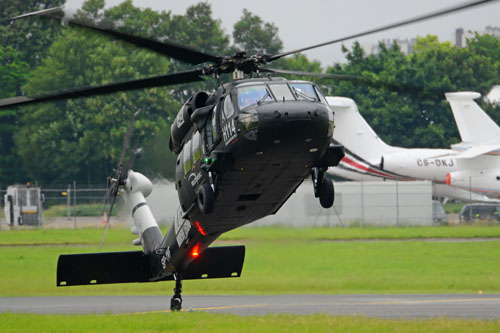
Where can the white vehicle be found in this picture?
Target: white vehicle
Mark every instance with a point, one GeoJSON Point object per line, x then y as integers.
{"type": "Point", "coordinates": [23, 205]}
{"type": "Point", "coordinates": [367, 157]}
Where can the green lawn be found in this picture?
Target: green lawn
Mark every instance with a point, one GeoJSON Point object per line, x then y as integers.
{"type": "Point", "coordinates": [278, 260]}
{"type": "Point", "coordinates": [290, 266]}
{"type": "Point", "coordinates": [350, 233]}
{"type": "Point", "coordinates": [81, 210]}
{"type": "Point", "coordinates": [209, 322]}
{"type": "Point", "coordinates": [453, 207]}
{"type": "Point", "coordinates": [119, 234]}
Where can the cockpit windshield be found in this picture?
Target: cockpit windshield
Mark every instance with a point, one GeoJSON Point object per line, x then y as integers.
{"type": "Point", "coordinates": [304, 91]}
{"type": "Point", "coordinates": [257, 94]}
{"type": "Point", "coordinates": [251, 95]}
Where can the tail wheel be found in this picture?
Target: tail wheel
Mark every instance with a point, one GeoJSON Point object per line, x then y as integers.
{"type": "Point", "coordinates": [326, 193]}
{"type": "Point", "coordinates": [206, 199]}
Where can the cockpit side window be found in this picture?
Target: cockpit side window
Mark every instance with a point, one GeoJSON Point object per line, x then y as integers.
{"type": "Point", "coordinates": [321, 96]}
{"type": "Point", "coordinates": [282, 92]}
{"type": "Point", "coordinates": [228, 109]}
{"type": "Point", "coordinates": [251, 95]}
{"type": "Point", "coordinates": [196, 147]}
{"type": "Point", "coordinates": [304, 91]}
{"type": "Point", "coordinates": [186, 154]}
{"type": "Point", "coordinates": [215, 115]}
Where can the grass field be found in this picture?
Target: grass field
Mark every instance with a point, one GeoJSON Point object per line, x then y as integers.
{"type": "Point", "coordinates": [453, 207]}
{"type": "Point", "coordinates": [280, 260]}
{"type": "Point", "coordinates": [122, 235]}
{"type": "Point", "coordinates": [81, 210]}
{"type": "Point", "coordinates": [207, 322]}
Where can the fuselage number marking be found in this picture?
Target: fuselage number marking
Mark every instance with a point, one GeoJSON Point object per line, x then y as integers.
{"type": "Point", "coordinates": [437, 162]}
{"type": "Point", "coordinates": [229, 131]}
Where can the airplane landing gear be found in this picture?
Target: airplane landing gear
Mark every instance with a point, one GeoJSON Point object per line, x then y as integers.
{"type": "Point", "coordinates": [323, 187]}
{"type": "Point", "coordinates": [176, 300]}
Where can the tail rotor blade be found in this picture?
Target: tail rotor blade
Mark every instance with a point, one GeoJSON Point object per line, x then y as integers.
{"type": "Point", "coordinates": [118, 179]}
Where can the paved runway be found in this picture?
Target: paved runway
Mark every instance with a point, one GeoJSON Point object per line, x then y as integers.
{"type": "Point", "coordinates": [383, 306]}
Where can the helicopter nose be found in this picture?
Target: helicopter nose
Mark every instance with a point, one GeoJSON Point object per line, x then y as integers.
{"type": "Point", "coordinates": [290, 124]}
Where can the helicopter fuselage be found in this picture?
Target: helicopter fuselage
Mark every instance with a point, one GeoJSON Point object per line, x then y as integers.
{"type": "Point", "coordinates": [252, 153]}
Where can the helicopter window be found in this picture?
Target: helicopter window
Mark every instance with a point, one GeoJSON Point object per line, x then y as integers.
{"type": "Point", "coordinates": [282, 92]}
{"type": "Point", "coordinates": [209, 132]}
{"type": "Point", "coordinates": [228, 109]}
{"type": "Point", "coordinates": [251, 95]}
{"type": "Point", "coordinates": [186, 154]}
{"type": "Point", "coordinates": [214, 122]}
{"type": "Point", "coordinates": [321, 97]}
{"type": "Point", "coordinates": [196, 147]}
{"type": "Point", "coordinates": [304, 91]}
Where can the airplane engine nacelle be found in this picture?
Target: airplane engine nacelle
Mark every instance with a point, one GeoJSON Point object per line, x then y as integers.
{"type": "Point", "coordinates": [182, 122]}
{"type": "Point", "coordinates": [457, 178]}
{"type": "Point", "coordinates": [397, 162]}
{"type": "Point", "coordinates": [483, 180]}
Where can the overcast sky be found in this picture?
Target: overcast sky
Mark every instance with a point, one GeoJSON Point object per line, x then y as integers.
{"type": "Point", "coordinates": [304, 23]}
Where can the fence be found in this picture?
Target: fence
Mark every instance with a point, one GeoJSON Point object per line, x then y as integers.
{"type": "Point", "coordinates": [359, 203]}
{"type": "Point", "coordinates": [70, 201]}
{"type": "Point", "coordinates": [356, 203]}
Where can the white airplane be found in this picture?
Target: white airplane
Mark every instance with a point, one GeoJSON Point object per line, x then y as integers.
{"type": "Point", "coordinates": [477, 156]}
{"type": "Point", "coordinates": [367, 157]}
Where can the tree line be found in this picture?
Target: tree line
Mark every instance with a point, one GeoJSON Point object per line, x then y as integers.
{"type": "Point", "coordinates": [401, 96]}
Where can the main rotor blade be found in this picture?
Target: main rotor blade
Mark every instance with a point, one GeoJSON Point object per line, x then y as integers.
{"type": "Point", "coordinates": [321, 75]}
{"type": "Point", "coordinates": [178, 52]}
{"type": "Point", "coordinates": [359, 79]}
{"type": "Point", "coordinates": [156, 81]}
{"type": "Point", "coordinates": [387, 27]}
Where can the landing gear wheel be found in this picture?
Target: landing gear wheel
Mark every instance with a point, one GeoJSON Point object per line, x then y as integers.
{"type": "Point", "coordinates": [326, 193]}
{"type": "Point", "coordinates": [175, 304]}
{"type": "Point", "coordinates": [206, 199]}
{"type": "Point", "coordinates": [176, 300]}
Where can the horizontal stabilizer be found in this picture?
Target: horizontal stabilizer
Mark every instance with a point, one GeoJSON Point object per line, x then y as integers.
{"type": "Point", "coordinates": [216, 262]}
{"type": "Point", "coordinates": [133, 266]}
{"type": "Point", "coordinates": [478, 150]}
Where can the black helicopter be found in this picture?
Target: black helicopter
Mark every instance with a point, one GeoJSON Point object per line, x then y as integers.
{"type": "Point", "coordinates": [242, 151]}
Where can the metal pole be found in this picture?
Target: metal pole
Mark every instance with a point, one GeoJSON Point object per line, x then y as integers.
{"type": "Point", "coordinates": [68, 201]}
{"type": "Point", "coordinates": [470, 199]}
{"type": "Point", "coordinates": [397, 203]}
{"type": "Point", "coordinates": [362, 206]}
{"type": "Point", "coordinates": [74, 202]}
{"type": "Point", "coordinates": [328, 218]}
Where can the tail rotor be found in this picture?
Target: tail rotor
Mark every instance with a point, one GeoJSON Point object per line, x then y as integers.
{"type": "Point", "coordinates": [118, 176]}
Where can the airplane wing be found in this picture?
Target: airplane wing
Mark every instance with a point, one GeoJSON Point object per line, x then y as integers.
{"type": "Point", "coordinates": [476, 151]}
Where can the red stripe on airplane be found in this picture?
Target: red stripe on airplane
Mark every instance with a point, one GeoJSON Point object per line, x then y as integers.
{"type": "Point", "coordinates": [352, 163]}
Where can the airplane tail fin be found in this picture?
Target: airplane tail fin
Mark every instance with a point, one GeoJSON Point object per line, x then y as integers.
{"type": "Point", "coordinates": [474, 125]}
{"type": "Point", "coordinates": [352, 131]}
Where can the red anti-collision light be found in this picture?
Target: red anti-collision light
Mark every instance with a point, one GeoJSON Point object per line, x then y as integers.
{"type": "Point", "coordinates": [200, 229]}
{"type": "Point", "coordinates": [195, 252]}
